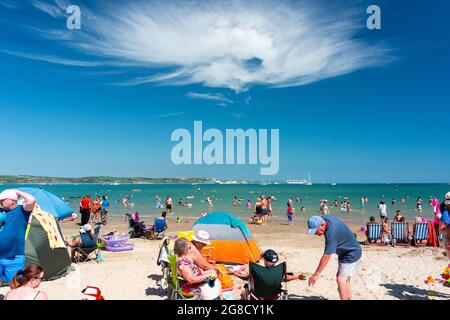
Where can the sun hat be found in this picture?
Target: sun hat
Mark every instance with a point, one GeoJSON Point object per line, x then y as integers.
{"type": "Point", "coordinates": [9, 194]}
{"type": "Point", "coordinates": [314, 222]}
{"type": "Point", "coordinates": [202, 237]}
{"type": "Point", "coordinates": [446, 202]}
{"type": "Point", "coordinates": [87, 227]}
{"type": "Point", "coordinates": [270, 256]}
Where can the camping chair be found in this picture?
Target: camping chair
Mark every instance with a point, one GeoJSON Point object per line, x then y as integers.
{"type": "Point", "coordinates": [89, 247]}
{"type": "Point", "coordinates": [159, 227]}
{"type": "Point", "coordinates": [174, 280]}
{"type": "Point", "coordinates": [420, 233]}
{"type": "Point", "coordinates": [266, 283]}
{"type": "Point", "coordinates": [400, 233]}
{"type": "Point", "coordinates": [374, 233]}
{"type": "Point", "coordinates": [175, 292]}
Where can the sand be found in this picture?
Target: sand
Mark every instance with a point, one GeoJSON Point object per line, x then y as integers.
{"type": "Point", "coordinates": [385, 273]}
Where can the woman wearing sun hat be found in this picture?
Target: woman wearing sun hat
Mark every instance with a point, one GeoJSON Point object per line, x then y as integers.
{"type": "Point", "coordinates": [199, 241]}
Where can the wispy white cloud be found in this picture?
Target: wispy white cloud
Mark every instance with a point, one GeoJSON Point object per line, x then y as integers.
{"type": "Point", "coordinates": [7, 4]}
{"type": "Point", "coordinates": [233, 44]}
{"type": "Point", "coordinates": [210, 96]}
{"type": "Point", "coordinates": [52, 59]}
{"type": "Point", "coordinates": [248, 100]}
{"type": "Point", "coordinates": [167, 115]}
{"type": "Point", "coordinates": [54, 11]}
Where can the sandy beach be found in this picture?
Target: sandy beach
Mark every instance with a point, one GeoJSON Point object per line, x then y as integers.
{"type": "Point", "coordinates": [385, 273]}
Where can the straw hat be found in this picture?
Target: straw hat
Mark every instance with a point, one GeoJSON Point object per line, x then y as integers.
{"type": "Point", "coordinates": [202, 237]}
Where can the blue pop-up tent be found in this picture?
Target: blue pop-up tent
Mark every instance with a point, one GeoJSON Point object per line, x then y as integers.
{"type": "Point", "coordinates": [50, 202]}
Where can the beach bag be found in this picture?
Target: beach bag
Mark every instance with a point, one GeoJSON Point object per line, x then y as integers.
{"type": "Point", "coordinates": [211, 290]}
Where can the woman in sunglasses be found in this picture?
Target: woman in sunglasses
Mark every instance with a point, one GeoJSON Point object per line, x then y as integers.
{"type": "Point", "coordinates": [25, 284]}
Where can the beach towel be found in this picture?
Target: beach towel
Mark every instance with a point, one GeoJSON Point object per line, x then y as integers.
{"type": "Point", "coordinates": [432, 238]}
{"type": "Point", "coordinates": [50, 226]}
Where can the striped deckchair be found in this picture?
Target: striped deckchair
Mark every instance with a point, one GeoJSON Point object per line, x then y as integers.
{"type": "Point", "coordinates": [374, 232]}
{"type": "Point", "coordinates": [420, 232]}
{"type": "Point", "coordinates": [400, 232]}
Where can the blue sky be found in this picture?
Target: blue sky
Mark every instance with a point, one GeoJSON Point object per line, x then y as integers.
{"type": "Point", "coordinates": [351, 104]}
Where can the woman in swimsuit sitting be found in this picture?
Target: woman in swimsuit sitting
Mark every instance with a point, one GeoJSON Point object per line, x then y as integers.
{"type": "Point", "coordinates": [193, 275]}
{"type": "Point", "coordinates": [25, 284]}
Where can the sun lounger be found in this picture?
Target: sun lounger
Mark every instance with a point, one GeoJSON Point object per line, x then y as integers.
{"type": "Point", "coordinates": [420, 233]}
{"type": "Point", "coordinates": [374, 233]}
{"type": "Point", "coordinates": [400, 233]}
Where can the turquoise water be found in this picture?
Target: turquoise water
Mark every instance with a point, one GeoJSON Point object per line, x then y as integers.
{"type": "Point", "coordinates": [144, 199]}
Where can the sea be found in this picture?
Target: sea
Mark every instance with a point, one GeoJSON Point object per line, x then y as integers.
{"type": "Point", "coordinates": [142, 198]}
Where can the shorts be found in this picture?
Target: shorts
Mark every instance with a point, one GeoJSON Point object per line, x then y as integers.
{"type": "Point", "coordinates": [264, 212]}
{"type": "Point", "coordinates": [347, 270]}
{"type": "Point", "coordinates": [9, 267]}
{"type": "Point", "coordinates": [169, 207]}
{"type": "Point", "coordinates": [103, 215]}
{"type": "Point", "coordinates": [290, 216]}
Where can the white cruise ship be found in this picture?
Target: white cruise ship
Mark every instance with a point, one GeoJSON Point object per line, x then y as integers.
{"type": "Point", "coordinates": [304, 182]}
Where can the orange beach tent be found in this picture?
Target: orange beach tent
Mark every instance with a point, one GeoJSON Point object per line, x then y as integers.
{"type": "Point", "coordinates": [231, 241]}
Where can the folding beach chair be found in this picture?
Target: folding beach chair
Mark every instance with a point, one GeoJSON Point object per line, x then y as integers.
{"type": "Point", "coordinates": [420, 233]}
{"type": "Point", "coordinates": [374, 233]}
{"type": "Point", "coordinates": [400, 233]}
{"type": "Point", "coordinates": [266, 283]}
{"type": "Point", "coordinates": [159, 227]}
{"type": "Point", "coordinates": [174, 280]}
{"type": "Point", "coordinates": [89, 249]}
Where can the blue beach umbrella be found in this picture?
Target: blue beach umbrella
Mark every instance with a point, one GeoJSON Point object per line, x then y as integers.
{"type": "Point", "coordinates": [50, 202]}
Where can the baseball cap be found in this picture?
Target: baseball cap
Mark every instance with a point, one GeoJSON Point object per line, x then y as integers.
{"type": "Point", "coordinates": [87, 227]}
{"type": "Point", "coordinates": [270, 256]}
{"type": "Point", "coordinates": [313, 223]}
{"type": "Point", "coordinates": [9, 194]}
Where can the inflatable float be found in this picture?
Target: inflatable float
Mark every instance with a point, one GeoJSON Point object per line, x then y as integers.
{"type": "Point", "coordinates": [120, 247]}
{"type": "Point", "coordinates": [118, 243]}
{"type": "Point", "coordinates": [255, 222]}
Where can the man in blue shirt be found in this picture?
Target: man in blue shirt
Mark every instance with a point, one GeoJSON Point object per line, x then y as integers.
{"type": "Point", "coordinates": [104, 209]}
{"type": "Point", "coordinates": [339, 240]}
{"type": "Point", "coordinates": [12, 234]}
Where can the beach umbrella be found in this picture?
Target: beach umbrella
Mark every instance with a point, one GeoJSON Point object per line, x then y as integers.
{"type": "Point", "coordinates": [50, 202]}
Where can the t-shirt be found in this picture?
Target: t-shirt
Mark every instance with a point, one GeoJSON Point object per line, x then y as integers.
{"type": "Point", "coordinates": [85, 203]}
{"type": "Point", "coordinates": [339, 239]}
{"type": "Point", "coordinates": [12, 235]}
{"type": "Point", "coordinates": [105, 204]}
{"type": "Point", "coordinates": [383, 209]}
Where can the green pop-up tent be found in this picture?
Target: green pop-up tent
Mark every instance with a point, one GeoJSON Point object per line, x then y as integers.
{"type": "Point", "coordinates": [55, 262]}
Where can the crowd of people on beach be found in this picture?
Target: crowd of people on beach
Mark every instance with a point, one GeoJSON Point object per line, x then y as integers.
{"type": "Point", "coordinates": [192, 265]}
{"type": "Point", "coordinates": [94, 211]}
